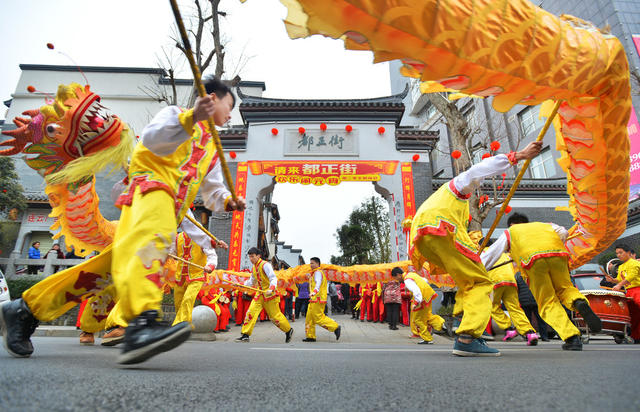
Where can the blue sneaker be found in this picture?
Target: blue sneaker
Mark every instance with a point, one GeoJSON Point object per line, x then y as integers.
{"type": "Point", "coordinates": [477, 347]}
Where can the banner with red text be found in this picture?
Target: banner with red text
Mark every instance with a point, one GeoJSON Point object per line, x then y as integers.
{"type": "Point", "coordinates": [237, 223]}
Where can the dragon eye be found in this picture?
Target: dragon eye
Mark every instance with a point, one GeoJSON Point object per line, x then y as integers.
{"type": "Point", "coordinates": [51, 129]}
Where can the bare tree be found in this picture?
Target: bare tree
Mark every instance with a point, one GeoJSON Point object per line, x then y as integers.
{"type": "Point", "coordinates": [203, 25]}
{"type": "Point", "coordinates": [462, 132]}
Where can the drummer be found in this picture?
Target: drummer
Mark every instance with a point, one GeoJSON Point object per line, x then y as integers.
{"type": "Point", "coordinates": [629, 278]}
{"type": "Point", "coordinates": [538, 249]}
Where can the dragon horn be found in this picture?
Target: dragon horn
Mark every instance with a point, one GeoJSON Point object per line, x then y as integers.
{"type": "Point", "coordinates": [31, 112]}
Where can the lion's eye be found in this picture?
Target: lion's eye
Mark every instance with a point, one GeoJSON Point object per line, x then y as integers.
{"type": "Point", "coordinates": [51, 129]}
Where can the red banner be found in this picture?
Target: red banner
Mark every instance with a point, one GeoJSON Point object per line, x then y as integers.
{"type": "Point", "coordinates": [407, 190]}
{"type": "Point", "coordinates": [324, 172]}
{"type": "Point", "coordinates": [235, 243]}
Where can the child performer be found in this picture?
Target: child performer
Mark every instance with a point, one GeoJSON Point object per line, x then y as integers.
{"type": "Point", "coordinates": [263, 277]}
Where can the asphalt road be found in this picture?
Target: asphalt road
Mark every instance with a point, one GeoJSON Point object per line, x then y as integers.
{"type": "Point", "coordinates": [62, 375]}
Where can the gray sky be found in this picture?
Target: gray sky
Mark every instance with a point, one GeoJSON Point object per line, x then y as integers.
{"type": "Point", "coordinates": [132, 32]}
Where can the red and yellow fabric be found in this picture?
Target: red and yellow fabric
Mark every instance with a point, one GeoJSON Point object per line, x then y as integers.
{"type": "Point", "coordinates": [190, 251]}
{"type": "Point", "coordinates": [315, 311]}
{"type": "Point", "coordinates": [530, 57]}
{"type": "Point", "coordinates": [630, 271]}
{"type": "Point", "coordinates": [444, 214]}
{"type": "Point", "coordinates": [505, 275]}
{"type": "Point", "coordinates": [531, 241]}
{"type": "Point", "coordinates": [52, 297]}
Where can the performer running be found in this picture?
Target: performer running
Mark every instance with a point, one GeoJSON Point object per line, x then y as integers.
{"type": "Point", "coordinates": [173, 158]}
{"type": "Point", "coordinates": [505, 291]}
{"type": "Point", "coordinates": [439, 236]}
{"type": "Point", "coordinates": [317, 302]}
{"type": "Point", "coordinates": [263, 278]}
{"type": "Point", "coordinates": [421, 313]}
{"type": "Point", "coordinates": [538, 249]}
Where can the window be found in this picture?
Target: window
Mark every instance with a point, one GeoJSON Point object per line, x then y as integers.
{"type": "Point", "coordinates": [542, 166]}
{"type": "Point", "coordinates": [529, 120]}
{"type": "Point", "coordinates": [431, 111]}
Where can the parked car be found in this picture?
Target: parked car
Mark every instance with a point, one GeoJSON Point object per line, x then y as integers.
{"type": "Point", "coordinates": [4, 288]}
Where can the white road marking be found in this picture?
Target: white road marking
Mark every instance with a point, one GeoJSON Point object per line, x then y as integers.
{"type": "Point", "coordinates": [435, 349]}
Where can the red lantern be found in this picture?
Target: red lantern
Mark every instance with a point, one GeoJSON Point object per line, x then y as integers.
{"type": "Point", "coordinates": [504, 175]}
{"type": "Point", "coordinates": [348, 128]}
{"type": "Point", "coordinates": [274, 131]}
{"type": "Point", "coordinates": [301, 130]}
{"type": "Point", "coordinates": [416, 157]}
{"type": "Point", "coordinates": [232, 155]}
{"type": "Point", "coordinates": [507, 209]}
{"type": "Point", "coordinates": [381, 130]}
{"type": "Point", "coordinates": [31, 89]}
{"type": "Point", "coordinates": [323, 127]}
{"type": "Point", "coordinates": [495, 146]}
{"type": "Point", "coordinates": [484, 156]}
{"type": "Point", "coordinates": [456, 154]}
{"type": "Point", "coordinates": [50, 46]}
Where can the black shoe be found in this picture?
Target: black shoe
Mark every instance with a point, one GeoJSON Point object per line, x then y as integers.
{"type": "Point", "coordinates": [146, 337]}
{"type": "Point", "coordinates": [288, 335]}
{"type": "Point", "coordinates": [443, 331]}
{"type": "Point", "coordinates": [425, 342]}
{"type": "Point", "coordinates": [17, 324]}
{"type": "Point", "coordinates": [243, 338]}
{"type": "Point", "coordinates": [361, 320]}
{"type": "Point", "coordinates": [590, 318]}
{"type": "Point", "coordinates": [572, 343]}
{"type": "Point", "coordinates": [308, 340]}
{"type": "Point", "coordinates": [337, 332]}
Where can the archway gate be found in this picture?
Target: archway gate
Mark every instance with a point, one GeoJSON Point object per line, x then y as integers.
{"type": "Point", "coordinates": [317, 142]}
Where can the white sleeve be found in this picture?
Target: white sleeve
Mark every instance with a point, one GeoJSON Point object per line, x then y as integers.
{"type": "Point", "coordinates": [201, 239]}
{"type": "Point", "coordinates": [471, 179]}
{"type": "Point", "coordinates": [490, 255]}
{"type": "Point", "coordinates": [213, 190]}
{"type": "Point", "coordinates": [117, 189]}
{"type": "Point", "coordinates": [413, 287]}
{"type": "Point", "coordinates": [561, 231]}
{"type": "Point", "coordinates": [164, 133]}
{"type": "Point", "coordinates": [317, 278]}
{"type": "Point", "coordinates": [268, 270]}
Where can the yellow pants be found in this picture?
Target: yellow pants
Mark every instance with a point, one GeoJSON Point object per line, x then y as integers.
{"type": "Point", "coordinates": [272, 307]}
{"type": "Point", "coordinates": [412, 323]}
{"type": "Point", "coordinates": [115, 318]}
{"type": "Point", "coordinates": [144, 234]}
{"type": "Point", "coordinates": [55, 295]}
{"type": "Point", "coordinates": [509, 296]}
{"type": "Point", "coordinates": [183, 299]}
{"type": "Point", "coordinates": [425, 318]}
{"type": "Point", "coordinates": [472, 280]}
{"type": "Point", "coordinates": [316, 316]}
{"type": "Point", "coordinates": [551, 287]}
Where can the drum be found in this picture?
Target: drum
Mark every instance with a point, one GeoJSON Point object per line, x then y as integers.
{"type": "Point", "coordinates": [611, 307]}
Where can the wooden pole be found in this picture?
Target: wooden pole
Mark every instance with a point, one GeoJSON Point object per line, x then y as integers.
{"type": "Point", "coordinates": [516, 182]}
{"type": "Point", "coordinates": [199, 226]}
{"type": "Point", "coordinates": [203, 268]}
{"type": "Point", "coordinates": [197, 82]}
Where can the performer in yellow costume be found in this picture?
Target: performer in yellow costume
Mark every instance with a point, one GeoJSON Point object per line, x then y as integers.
{"type": "Point", "coordinates": [421, 314]}
{"type": "Point", "coordinates": [439, 236]}
{"type": "Point", "coordinates": [175, 157]}
{"type": "Point", "coordinates": [538, 249]}
{"type": "Point", "coordinates": [629, 279]}
{"type": "Point", "coordinates": [505, 291]}
{"type": "Point", "coordinates": [263, 278]}
{"type": "Point", "coordinates": [317, 302]}
{"type": "Point", "coordinates": [194, 246]}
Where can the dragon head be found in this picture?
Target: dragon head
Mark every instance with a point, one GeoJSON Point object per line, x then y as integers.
{"type": "Point", "coordinates": [73, 126]}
